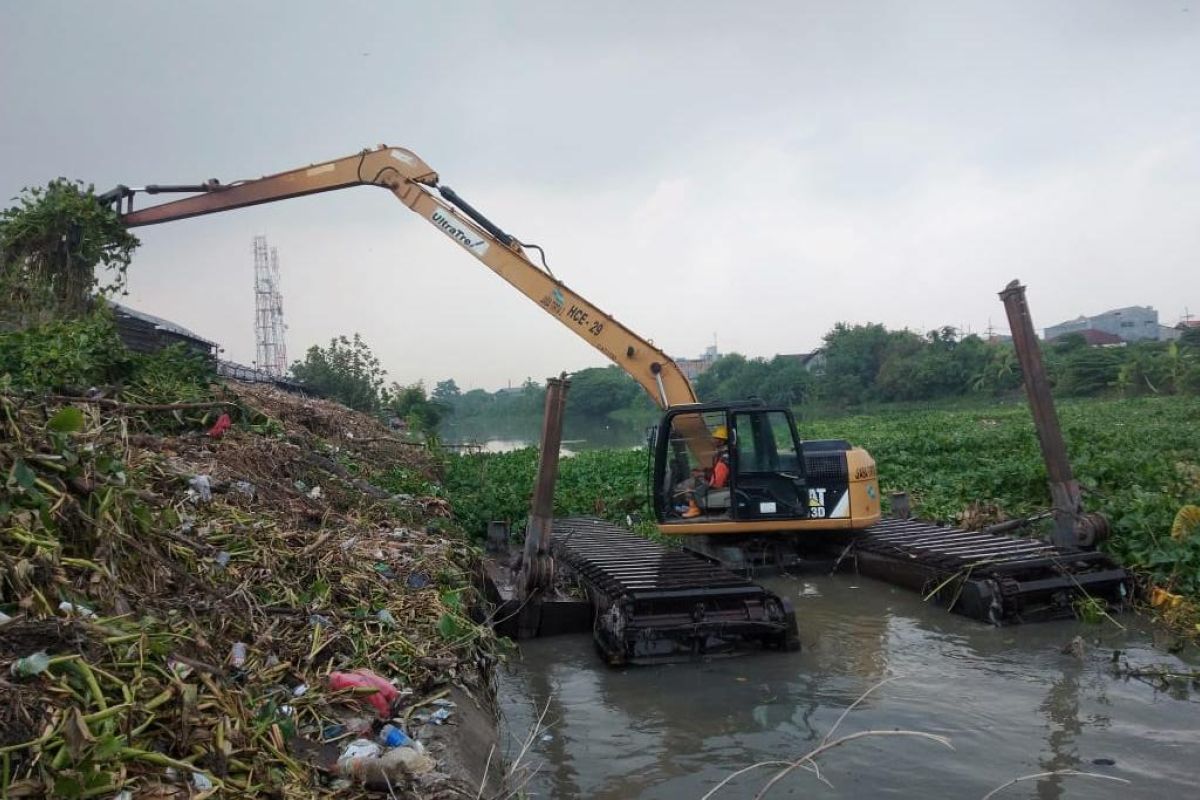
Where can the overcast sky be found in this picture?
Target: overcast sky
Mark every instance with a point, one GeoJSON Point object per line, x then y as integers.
{"type": "Point", "coordinates": [758, 171]}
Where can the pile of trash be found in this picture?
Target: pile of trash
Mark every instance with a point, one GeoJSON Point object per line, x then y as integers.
{"type": "Point", "coordinates": [226, 598]}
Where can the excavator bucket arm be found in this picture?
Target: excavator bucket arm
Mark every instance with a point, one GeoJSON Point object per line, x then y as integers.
{"type": "Point", "coordinates": [414, 183]}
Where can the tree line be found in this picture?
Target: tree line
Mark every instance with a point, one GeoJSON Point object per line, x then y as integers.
{"type": "Point", "coordinates": [856, 365]}
{"type": "Point", "coordinates": [349, 372]}
{"type": "Point", "coordinates": [863, 364]}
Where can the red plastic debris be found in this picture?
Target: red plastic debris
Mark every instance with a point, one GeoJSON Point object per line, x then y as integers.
{"type": "Point", "coordinates": [362, 678]}
{"type": "Point", "coordinates": [223, 424]}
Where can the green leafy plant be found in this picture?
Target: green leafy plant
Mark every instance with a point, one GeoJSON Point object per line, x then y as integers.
{"type": "Point", "coordinates": [1089, 609]}
{"type": "Point", "coordinates": [51, 243]}
{"type": "Point", "coordinates": [66, 354]}
{"type": "Point", "coordinates": [420, 412]}
{"type": "Point", "coordinates": [174, 374]}
{"type": "Point", "coordinates": [346, 371]}
{"type": "Point", "coordinates": [499, 486]}
{"type": "Point", "coordinates": [408, 480]}
{"type": "Point", "coordinates": [73, 355]}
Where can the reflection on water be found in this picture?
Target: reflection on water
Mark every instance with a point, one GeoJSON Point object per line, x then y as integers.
{"type": "Point", "coordinates": [518, 433]}
{"type": "Point", "coordinates": [508, 445]}
{"type": "Point", "coordinates": [1009, 699]}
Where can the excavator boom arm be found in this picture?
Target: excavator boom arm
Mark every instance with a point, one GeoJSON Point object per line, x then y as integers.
{"type": "Point", "coordinates": [413, 182]}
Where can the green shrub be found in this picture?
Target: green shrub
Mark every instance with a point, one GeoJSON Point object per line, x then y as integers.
{"type": "Point", "coordinates": [51, 243]}
{"type": "Point", "coordinates": [66, 355]}
{"type": "Point", "coordinates": [73, 355]}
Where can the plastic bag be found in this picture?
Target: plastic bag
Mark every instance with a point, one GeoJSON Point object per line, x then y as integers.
{"type": "Point", "coordinates": [382, 699]}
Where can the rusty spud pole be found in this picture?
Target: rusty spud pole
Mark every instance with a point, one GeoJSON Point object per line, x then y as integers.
{"type": "Point", "coordinates": [536, 565]}
{"type": "Point", "coordinates": [1064, 489]}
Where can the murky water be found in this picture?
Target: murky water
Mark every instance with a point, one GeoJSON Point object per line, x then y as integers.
{"type": "Point", "coordinates": [1011, 702]}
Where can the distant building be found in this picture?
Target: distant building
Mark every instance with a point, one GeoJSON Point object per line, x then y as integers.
{"type": "Point", "coordinates": [507, 390]}
{"type": "Point", "coordinates": [1174, 334]}
{"type": "Point", "coordinates": [1169, 334]}
{"type": "Point", "coordinates": [146, 333]}
{"type": "Point", "coordinates": [814, 362]}
{"type": "Point", "coordinates": [1097, 338]}
{"type": "Point", "coordinates": [1130, 324]}
{"type": "Point", "coordinates": [693, 368]}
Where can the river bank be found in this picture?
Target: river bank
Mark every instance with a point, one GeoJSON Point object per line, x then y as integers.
{"type": "Point", "coordinates": [181, 582]}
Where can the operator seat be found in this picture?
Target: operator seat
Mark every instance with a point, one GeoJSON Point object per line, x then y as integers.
{"type": "Point", "coordinates": [714, 500]}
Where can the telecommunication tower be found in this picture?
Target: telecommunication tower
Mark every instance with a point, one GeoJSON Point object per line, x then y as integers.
{"type": "Point", "coordinates": [271, 352]}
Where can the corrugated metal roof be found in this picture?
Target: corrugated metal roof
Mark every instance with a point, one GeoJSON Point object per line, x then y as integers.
{"type": "Point", "coordinates": [160, 323]}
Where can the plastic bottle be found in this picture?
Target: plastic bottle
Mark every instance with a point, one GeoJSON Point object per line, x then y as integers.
{"type": "Point", "coordinates": [356, 756]}
{"type": "Point", "coordinates": [237, 655]}
{"type": "Point", "coordinates": [30, 665]}
{"type": "Point", "coordinates": [392, 736]}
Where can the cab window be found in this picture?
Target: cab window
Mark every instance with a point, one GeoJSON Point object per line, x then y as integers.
{"type": "Point", "coordinates": [689, 447]}
{"type": "Point", "coordinates": [765, 443]}
{"type": "Point", "coordinates": [769, 482]}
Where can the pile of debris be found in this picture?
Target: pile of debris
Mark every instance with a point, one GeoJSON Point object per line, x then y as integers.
{"type": "Point", "coordinates": [227, 599]}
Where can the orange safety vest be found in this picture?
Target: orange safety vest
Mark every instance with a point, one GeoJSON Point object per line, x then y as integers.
{"type": "Point", "coordinates": [719, 474]}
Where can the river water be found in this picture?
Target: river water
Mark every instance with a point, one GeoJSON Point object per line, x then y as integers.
{"type": "Point", "coordinates": [577, 435]}
{"type": "Point", "coordinates": [1010, 700]}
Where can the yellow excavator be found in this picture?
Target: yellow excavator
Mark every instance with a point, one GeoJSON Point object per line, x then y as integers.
{"type": "Point", "coordinates": [777, 483]}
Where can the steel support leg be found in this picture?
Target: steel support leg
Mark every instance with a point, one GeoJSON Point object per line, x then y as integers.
{"type": "Point", "coordinates": [1064, 490]}
{"type": "Point", "coordinates": [537, 565]}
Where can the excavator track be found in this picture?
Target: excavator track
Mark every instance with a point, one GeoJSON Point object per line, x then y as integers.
{"type": "Point", "coordinates": [653, 604]}
{"type": "Point", "coordinates": [991, 577]}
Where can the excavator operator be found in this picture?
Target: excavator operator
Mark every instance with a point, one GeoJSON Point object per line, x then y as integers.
{"type": "Point", "coordinates": [698, 490]}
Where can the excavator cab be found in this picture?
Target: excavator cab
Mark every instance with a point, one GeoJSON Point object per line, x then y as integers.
{"type": "Point", "coordinates": [774, 480]}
